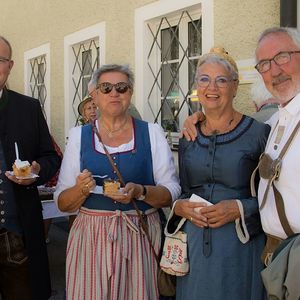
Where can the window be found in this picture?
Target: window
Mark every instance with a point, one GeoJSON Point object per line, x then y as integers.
{"type": "Point", "coordinates": [86, 61]}
{"type": "Point", "coordinates": [87, 68]}
{"type": "Point", "coordinates": [37, 76]}
{"type": "Point", "coordinates": [84, 51]}
{"type": "Point", "coordinates": [178, 62]}
{"type": "Point", "coordinates": [172, 44]}
{"type": "Point", "coordinates": [38, 67]}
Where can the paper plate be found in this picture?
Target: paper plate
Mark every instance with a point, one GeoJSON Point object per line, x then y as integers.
{"type": "Point", "coordinates": [32, 175]}
{"type": "Point", "coordinates": [99, 190]}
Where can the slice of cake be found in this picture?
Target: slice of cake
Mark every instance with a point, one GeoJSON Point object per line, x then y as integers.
{"type": "Point", "coordinates": [21, 168]}
{"type": "Point", "coordinates": [111, 186]}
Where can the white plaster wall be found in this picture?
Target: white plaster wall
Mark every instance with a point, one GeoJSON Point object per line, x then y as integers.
{"type": "Point", "coordinates": [31, 23]}
{"type": "Point", "coordinates": [238, 24]}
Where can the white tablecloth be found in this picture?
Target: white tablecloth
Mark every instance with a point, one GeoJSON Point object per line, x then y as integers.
{"type": "Point", "coordinates": [50, 209]}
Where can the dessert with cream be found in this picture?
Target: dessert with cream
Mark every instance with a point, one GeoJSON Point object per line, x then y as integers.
{"type": "Point", "coordinates": [21, 168]}
{"type": "Point", "coordinates": [111, 186]}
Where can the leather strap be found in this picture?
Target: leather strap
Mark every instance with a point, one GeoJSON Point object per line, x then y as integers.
{"type": "Point", "coordinates": [288, 143]}
{"type": "Point", "coordinates": [143, 223]}
{"type": "Point", "coordinates": [108, 155]}
{"type": "Point", "coordinates": [281, 212]}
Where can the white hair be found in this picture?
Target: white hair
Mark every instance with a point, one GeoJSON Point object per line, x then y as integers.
{"type": "Point", "coordinates": [259, 93]}
{"type": "Point", "coordinates": [293, 33]}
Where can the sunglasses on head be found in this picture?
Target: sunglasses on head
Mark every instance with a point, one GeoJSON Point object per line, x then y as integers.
{"type": "Point", "coordinates": [120, 87]}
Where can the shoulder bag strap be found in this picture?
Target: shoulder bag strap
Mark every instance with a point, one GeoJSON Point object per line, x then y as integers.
{"type": "Point", "coordinates": [143, 223]}
{"type": "Point", "coordinates": [288, 143]}
{"type": "Point", "coordinates": [281, 212]}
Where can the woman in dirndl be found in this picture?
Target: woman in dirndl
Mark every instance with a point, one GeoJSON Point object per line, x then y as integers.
{"type": "Point", "coordinates": [224, 236]}
{"type": "Point", "coordinates": [108, 254]}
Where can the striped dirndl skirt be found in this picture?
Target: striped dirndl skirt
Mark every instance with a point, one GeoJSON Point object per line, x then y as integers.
{"type": "Point", "coordinates": [109, 257]}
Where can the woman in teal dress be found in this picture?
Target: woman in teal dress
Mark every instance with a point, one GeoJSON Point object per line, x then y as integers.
{"type": "Point", "coordinates": [225, 239]}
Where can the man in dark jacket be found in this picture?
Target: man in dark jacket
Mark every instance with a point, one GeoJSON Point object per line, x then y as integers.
{"type": "Point", "coordinates": [24, 270]}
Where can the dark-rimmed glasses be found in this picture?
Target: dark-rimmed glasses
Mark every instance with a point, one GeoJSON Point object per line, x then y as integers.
{"type": "Point", "coordinates": [120, 87]}
{"type": "Point", "coordinates": [280, 59]}
{"type": "Point", "coordinates": [4, 60]}
{"type": "Point", "coordinates": [220, 81]}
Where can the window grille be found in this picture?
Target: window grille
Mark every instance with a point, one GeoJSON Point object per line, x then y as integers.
{"type": "Point", "coordinates": [172, 60]}
{"type": "Point", "coordinates": [38, 90]}
{"type": "Point", "coordinates": [86, 61]}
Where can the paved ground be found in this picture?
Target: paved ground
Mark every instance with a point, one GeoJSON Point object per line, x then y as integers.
{"type": "Point", "coordinates": [58, 235]}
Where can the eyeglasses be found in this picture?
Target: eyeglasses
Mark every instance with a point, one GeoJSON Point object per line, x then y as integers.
{"type": "Point", "coordinates": [220, 81]}
{"type": "Point", "coordinates": [3, 60]}
{"type": "Point", "coordinates": [280, 59]}
{"type": "Point", "coordinates": [120, 87]}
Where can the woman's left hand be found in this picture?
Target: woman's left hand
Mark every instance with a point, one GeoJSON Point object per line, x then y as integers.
{"type": "Point", "coordinates": [130, 191]}
{"type": "Point", "coordinates": [224, 212]}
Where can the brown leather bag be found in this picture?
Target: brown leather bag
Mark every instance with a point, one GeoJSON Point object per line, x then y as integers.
{"type": "Point", "coordinates": [272, 243]}
{"type": "Point", "coordinates": [166, 283]}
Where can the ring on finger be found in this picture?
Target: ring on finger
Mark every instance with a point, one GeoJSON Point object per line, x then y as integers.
{"type": "Point", "coordinates": [85, 191]}
{"type": "Point", "coordinates": [184, 128]}
{"type": "Point", "coordinates": [191, 219]}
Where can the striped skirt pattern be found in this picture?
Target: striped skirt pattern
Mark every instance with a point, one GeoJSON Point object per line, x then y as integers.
{"type": "Point", "coordinates": [109, 257]}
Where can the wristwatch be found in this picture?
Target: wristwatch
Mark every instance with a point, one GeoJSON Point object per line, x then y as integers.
{"type": "Point", "coordinates": [143, 196]}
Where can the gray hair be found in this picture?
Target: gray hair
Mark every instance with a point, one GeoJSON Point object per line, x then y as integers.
{"type": "Point", "coordinates": [217, 59]}
{"type": "Point", "coordinates": [293, 33]}
{"type": "Point", "coordinates": [2, 38]}
{"type": "Point", "coordinates": [111, 68]}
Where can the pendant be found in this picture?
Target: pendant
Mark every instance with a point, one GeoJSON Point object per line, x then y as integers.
{"type": "Point", "coordinates": [214, 132]}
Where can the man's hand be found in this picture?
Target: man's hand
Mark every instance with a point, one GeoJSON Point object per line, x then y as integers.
{"type": "Point", "coordinates": [189, 129]}
{"type": "Point", "coordinates": [35, 169]}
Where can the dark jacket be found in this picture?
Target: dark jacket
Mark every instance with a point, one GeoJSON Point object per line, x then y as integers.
{"type": "Point", "coordinates": [22, 121]}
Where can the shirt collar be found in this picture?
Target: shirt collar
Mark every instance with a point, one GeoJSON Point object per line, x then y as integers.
{"type": "Point", "coordinates": [293, 107]}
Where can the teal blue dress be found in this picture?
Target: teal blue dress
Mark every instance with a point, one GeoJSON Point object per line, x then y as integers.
{"type": "Point", "coordinates": [218, 168]}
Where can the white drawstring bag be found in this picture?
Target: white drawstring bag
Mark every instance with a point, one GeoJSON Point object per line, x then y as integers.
{"type": "Point", "coordinates": [174, 260]}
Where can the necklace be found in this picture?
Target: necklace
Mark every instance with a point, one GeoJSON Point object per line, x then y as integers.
{"type": "Point", "coordinates": [211, 131]}
{"type": "Point", "coordinates": [111, 133]}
